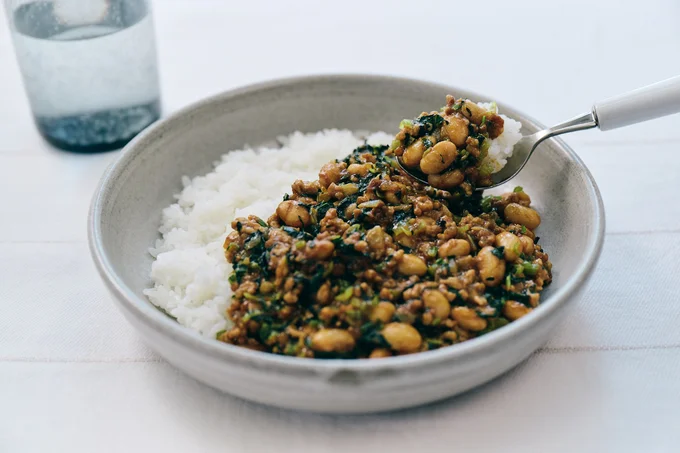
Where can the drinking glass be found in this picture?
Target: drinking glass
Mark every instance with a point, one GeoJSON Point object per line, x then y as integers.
{"type": "Point", "coordinates": [89, 69]}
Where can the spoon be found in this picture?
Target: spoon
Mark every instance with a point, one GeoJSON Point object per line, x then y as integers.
{"type": "Point", "coordinates": [646, 103]}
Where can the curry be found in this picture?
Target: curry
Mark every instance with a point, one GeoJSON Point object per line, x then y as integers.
{"type": "Point", "coordinates": [366, 262]}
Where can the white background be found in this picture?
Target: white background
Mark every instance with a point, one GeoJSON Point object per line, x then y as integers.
{"type": "Point", "coordinates": [74, 376]}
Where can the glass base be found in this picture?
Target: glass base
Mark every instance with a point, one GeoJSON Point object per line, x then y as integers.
{"type": "Point", "coordinates": [98, 131]}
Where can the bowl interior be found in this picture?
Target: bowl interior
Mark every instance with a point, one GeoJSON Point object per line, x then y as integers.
{"type": "Point", "coordinates": [149, 172]}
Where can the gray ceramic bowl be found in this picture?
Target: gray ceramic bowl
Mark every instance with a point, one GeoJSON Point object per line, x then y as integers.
{"type": "Point", "coordinates": [126, 212]}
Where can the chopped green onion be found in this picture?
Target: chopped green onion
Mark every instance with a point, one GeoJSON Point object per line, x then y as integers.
{"type": "Point", "coordinates": [354, 228]}
{"type": "Point", "coordinates": [518, 189]}
{"type": "Point", "coordinates": [349, 189]}
{"type": "Point", "coordinates": [345, 295]}
{"type": "Point", "coordinates": [518, 270]}
{"type": "Point", "coordinates": [420, 227]}
{"type": "Point", "coordinates": [402, 229]}
{"type": "Point", "coordinates": [486, 168]}
{"type": "Point", "coordinates": [495, 323]}
{"type": "Point", "coordinates": [405, 123]}
{"type": "Point", "coordinates": [251, 314]}
{"type": "Point", "coordinates": [328, 270]}
{"type": "Point", "coordinates": [530, 269]}
{"type": "Point", "coordinates": [370, 204]}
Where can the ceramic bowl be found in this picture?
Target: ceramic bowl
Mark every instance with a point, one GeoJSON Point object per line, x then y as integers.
{"type": "Point", "coordinates": [127, 206]}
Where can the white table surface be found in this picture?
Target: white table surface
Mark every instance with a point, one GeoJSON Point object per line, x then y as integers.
{"type": "Point", "coordinates": [74, 377]}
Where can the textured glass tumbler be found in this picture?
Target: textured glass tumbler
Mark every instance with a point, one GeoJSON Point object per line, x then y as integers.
{"type": "Point", "coordinates": [89, 69]}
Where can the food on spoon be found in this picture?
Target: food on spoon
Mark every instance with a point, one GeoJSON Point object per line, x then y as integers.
{"type": "Point", "coordinates": [461, 145]}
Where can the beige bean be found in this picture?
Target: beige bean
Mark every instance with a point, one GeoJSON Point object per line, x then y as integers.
{"type": "Point", "coordinates": [332, 340]}
{"type": "Point", "coordinates": [468, 319]}
{"type": "Point", "coordinates": [323, 294]}
{"type": "Point", "coordinates": [473, 112]}
{"type": "Point", "coordinates": [438, 303]}
{"type": "Point", "coordinates": [267, 287]}
{"type": "Point", "coordinates": [527, 245]}
{"type": "Point", "coordinates": [382, 312]}
{"type": "Point", "coordinates": [376, 239]}
{"type": "Point", "coordinates": [514, 310]}
{"type": "Point", "coordinates": [450, 336]}
{"type": "Point", "coordinates": [412, 265]}
{"type": "Point", "coordinates": [511, 244]}
{"type": "Point", "coordinates": [491, 268]}
{"type": "Point", "coordinates": [320, 249]}
{"type": "Point", "coordinates": [516, 213]}
{"type": "Point", "coordinates": [358, 169]}
{"type": "Point", "coordinates": [380, 353]}
{"type": "Point", "coordinates": [402, 338]}
{"type": "Point", "coordinates": [454, 247]}
{"type": "Point", "coordinates": [447, 180]}
{"type": "Point", "coordinates": [523, 198]}
{"type": "Point", "coordinates": [331, 173]}
{"type": "Point", "coordinates": [413, 154]}
{"type": "Point", "coordinates": [457, 130]}
{"type": "Point", "coordinates": [293, 214]}
{"type": "Point", "coordinates": [438, 158]}
{"type": "Point", "coordinates": [328, 313]}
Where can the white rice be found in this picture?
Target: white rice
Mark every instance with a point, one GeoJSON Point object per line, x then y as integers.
{"type": "Point", "coordinates": [501, 147]}
{"type": "Point", "coordinates": [190, 272]}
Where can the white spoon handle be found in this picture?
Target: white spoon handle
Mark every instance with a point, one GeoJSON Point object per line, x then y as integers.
{"type": "Point", "coordinates": [646, 103]}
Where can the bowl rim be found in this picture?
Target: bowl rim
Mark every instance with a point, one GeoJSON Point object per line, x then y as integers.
{"type": "Point", "coordinates": [142, 309]}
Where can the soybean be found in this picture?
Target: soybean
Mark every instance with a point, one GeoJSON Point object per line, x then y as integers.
{"type": "Point", "coordinates": [402, 338]}
{"type": "Point", "coordinates": [516, 213]}
{"type": "Point", "coordinates": [293, 214]}
{"type": "Point", "coordinates": [438, 158]}
{"type": "Point", "coordinates": [491, 268]}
